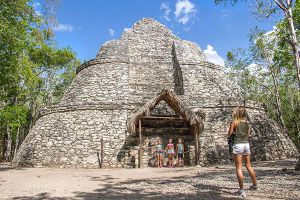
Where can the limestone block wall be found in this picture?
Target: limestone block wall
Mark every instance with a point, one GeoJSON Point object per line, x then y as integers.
{"type": "Point", "coordinates": [114, 51]}
{"type": "Point", "coordinates": [203, 83]}
{"type": "Point", "coordinates": [150, 54]}
{"type": "Point", "coordinates": [188, 53]}
{"type": "Point", "coordinates": [212, 141]}
{"type": "Point", "coordinates": [269, 140]}
{"type": "Point", "coordinates": [206, 84]}
{"type": "Point", "coordinates": [99, 84]}
{"type": "Point", "coordinates": [72, 139]}
{"type": "Point", "coordinates": [93, 107]}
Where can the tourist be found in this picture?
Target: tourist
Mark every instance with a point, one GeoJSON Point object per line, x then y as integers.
{"type": "Point", "coordinates": [159, 153]}
{"type": "Point", "coordinates": [230, 138]}
{"type": "Point", "coordinates": [170, 152]}
{"type": "Point", "coordinates": [180, 151]}
{"type": "Point", "coordinates": [241, 148]}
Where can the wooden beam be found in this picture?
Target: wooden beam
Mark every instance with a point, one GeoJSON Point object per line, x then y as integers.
{"type": "Point", "coordinates": [175, 107]}
{"type": "Point", "coordinates": [163, 118]}
{"type": "Point", "coordinates": [166, 123]}
{"type": "Point", "coordinates": [167, 128]}
{"type": "Point", "coordinates": [101, 153]}
{"type": "Point", "coordinates": [140, 141]}
{"type": "Point", "coordinates": [161, 115]}
{"type": "Point", "coordinates": [196, 130]}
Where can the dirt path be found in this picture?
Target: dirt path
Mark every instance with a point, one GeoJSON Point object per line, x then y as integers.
{"type": "Point", "coordinates": [276, 180]}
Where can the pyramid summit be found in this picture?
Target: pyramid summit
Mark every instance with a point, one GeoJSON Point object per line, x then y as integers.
{"type": "Point", "coordinates": [149, 84]}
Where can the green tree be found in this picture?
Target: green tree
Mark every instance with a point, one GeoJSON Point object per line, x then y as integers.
{"type": "Point", "coordinates": [32, 69]}
{"type": "Point", "coordinates": [265, 8]}
{"type": "Point", "coordinates": [274, 55]}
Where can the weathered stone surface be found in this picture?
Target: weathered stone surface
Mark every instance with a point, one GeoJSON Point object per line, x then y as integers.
{"type": "Point", "coordinates": [126, 74]}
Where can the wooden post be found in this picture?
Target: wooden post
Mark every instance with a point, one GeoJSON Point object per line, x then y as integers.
{"type": "Point", "coordinates": [196, 129]}
{"type": "Point", "coordinates": [140, 141]}
{"type": "Point", "coordinates": [101, 153]}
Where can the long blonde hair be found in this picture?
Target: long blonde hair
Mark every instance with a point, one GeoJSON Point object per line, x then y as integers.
{"type": "Point", "coordinates": [239, 114]}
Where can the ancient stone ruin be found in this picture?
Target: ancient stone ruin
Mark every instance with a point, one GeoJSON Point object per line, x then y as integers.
{"type": "Point", "coordinates": [149, 84]}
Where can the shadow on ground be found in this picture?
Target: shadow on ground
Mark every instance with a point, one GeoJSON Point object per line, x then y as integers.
{"type": "Point", "coordinates": [8, 166]}
{"type": "Point", "coordinates": [217, 182]}
{"type": "Point", "coordinates": [157, 189]}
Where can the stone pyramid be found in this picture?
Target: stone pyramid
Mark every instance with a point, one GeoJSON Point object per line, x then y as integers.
{"type": "Point", "coordinates": [127, 73]}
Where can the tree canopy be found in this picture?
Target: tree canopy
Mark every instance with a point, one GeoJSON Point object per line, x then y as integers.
{"type": "Point", "coordinates": [33, 71]}
{"type": "Point", "coordinates": [266, 70]}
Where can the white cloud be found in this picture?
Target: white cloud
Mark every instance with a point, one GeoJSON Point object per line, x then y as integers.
{"type": "Point", "coordinates": [185, 10]}
{"type": "Point", "coordinates": [256, 70]}
{"type": "Point", "coordinates": [36, 4]}
{"type": "Point", "coordinates": [271, 32]}
{"type": "Point", "coordinates": [212, 56]}
{"type": "Point", "coordinates": [268, 39]}
{"type": "Point", "coordinates": [37, 8]}
{"type": "Point", "coordinates": [63, 27]}
{"type": "Point", "coordinates": [111, 32]}
{"type": "Point", "coordinates": [166, 9]}
{"type": "Point", "coordinates": [225, 13]}
{"type": "Point", "coordinates": [186, 29]}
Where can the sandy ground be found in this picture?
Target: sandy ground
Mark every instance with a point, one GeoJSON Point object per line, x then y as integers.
{"type": "Point", "coordinates": [277, 180]}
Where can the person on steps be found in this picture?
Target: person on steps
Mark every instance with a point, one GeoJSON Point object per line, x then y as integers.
{"type": "Point", "coordinates": [180, 152]}
{"type": "Point", "coordinates": [159, 153]}
{"type": "Point", "coordinates": [170, 152]}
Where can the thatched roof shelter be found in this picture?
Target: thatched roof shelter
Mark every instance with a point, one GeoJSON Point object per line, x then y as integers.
{"type": "Point", "coordinates": [173, 101]}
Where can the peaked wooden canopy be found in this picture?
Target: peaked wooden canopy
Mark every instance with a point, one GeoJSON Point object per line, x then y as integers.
{"type": "Point", "coordinates": [173, 101]}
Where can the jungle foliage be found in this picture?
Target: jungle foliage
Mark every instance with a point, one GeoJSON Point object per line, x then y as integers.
{"type": "Point", "coordinates": [33, 71]}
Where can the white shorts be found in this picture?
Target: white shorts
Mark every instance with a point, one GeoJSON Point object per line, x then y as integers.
{"type": "Point", "coordinates": [241, 148]}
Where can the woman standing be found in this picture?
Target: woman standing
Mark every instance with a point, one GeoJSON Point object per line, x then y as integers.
{"type": "Point", "coordinates": [240, 131]}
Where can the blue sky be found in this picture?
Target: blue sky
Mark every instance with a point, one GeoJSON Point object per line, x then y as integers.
{"type": "Point", "coordinates": [86, 25]}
